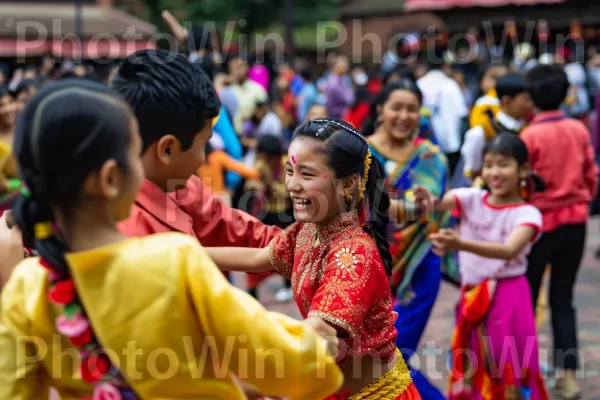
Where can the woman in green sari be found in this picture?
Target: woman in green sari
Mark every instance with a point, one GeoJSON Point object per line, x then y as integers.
{"type": "Point", "coordinates": [409, 159]}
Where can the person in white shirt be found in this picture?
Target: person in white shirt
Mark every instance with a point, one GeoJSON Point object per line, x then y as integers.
{"type": "Point", "coordinates": [444, 98]}
{"type": "Point", "coordinates": [248, 92]}
{"type": "Point", "coordinates": [515, 106]}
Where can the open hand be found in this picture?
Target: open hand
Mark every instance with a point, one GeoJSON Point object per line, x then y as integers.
{"type": "Point", "coordinates": [445, 240]}
{"type": "Point", "coordinates": [327, 332]}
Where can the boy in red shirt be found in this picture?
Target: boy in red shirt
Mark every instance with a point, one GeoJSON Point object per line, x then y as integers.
{"type": "Point", "coordinates": [561, 153]}
{"type": "Point", "coordinates": [175, 104]}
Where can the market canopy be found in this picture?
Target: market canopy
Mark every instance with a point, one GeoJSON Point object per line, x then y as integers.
{"type": "Point", "coordinates": [50, 28]}
{"type": "Point", "coordinates": [419, 5]}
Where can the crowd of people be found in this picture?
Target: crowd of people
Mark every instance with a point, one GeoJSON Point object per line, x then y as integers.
{"type": "Point", "coordinates": [129, 198]}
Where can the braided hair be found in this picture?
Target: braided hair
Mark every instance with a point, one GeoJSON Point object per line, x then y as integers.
{"type": "Point", "coordinates": [347, 151]}
{"type": "Point", "coordinates": [68, 130]}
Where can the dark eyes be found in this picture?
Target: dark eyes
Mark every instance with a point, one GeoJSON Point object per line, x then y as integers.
{"type": "Point", "coordinates": [289, 171]}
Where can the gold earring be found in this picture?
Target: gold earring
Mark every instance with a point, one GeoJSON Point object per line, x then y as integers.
{"type": "Point", "coordinates": [348, 196]}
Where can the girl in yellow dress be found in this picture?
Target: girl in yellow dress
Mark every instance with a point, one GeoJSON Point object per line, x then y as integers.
{"type": "Point", "coordinates": [101, 315]}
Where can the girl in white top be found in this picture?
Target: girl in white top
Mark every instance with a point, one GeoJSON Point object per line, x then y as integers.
{"type": "Point", "coordinates": [495, 316]}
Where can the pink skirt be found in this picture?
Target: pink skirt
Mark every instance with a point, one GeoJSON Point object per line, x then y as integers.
{"type": "Point", "coordinates": [505, 347]}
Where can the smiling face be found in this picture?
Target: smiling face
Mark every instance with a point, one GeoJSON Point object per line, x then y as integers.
{"type": "Point", "coordinates": [316, 193]}
{"type": "Point", "coordinates": [401, 114]}
{"type": "Point", "coordinates": [502, 174]}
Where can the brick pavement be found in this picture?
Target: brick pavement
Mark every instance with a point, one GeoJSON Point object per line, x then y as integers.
{"type": "Point", "coordinates": [441, 325]}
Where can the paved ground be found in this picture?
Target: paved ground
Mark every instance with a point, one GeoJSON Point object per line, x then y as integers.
{"type": "Point", "coordinates": [439, 330]}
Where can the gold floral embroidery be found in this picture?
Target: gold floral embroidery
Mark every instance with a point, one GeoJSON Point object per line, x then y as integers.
{"type": "Point", "coordinates": [345, 259]}
{"type": "Point", "coordinates": [331, 276]}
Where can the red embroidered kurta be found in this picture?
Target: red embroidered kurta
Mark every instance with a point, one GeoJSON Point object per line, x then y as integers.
{"type": "Point", "coordinates": [342, 280]}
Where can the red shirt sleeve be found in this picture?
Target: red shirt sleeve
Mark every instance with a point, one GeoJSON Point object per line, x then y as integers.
{"type": "Point", "coordinates": [216, 224]}
{"type": "Point", "coordinates": [346, 289]}
{"type": "Point", "coordinates": [282, 250]}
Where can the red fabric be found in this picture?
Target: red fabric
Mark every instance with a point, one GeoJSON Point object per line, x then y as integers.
{"type": "Point", "coordinates": [341, 280]}
{"type": "Point", "coordinates": [357, 115]}
{"type": "Point", "coordinates": [415, 5]}
{"type": "Point", "coordinates": [194, 210]}
{"type": "Point", "coordinates": [570, 185]}
{"type": "Point", "coordinates": [374, 86]}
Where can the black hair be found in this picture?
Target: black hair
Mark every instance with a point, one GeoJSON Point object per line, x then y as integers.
{"type": "Point", "coordinates": [33, 68]}
{"type": "Point", "coordinates": [168, 95]}
{"type": "Point", "coordinates": [270, 144]}
{"type": "Point", "coordinates": [208, 65]}
{"type": "Point", "coordinates": [306, 74]}
{"type": "Point", "coordinates": [4, 91]}
{"type": "Point", "coordinates": [510, 145]}
{"type": "Point", "coordinates": [548, 86]}
{"type": "Point", "coordinates": [346, 150]}
{"type": "Point", "coordinates": [199, 39]}
{"type": "Point", "coordinates": [510, 85]}
{"type": "Point", "coordinates": [370, 123]}
{"type": "Point", "coordinates": [24, 85]}
{"type": "Point", "coordinates": [66, 131]}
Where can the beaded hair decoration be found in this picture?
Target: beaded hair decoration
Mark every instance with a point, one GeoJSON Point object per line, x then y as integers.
{"type": "Point", "coordinates": [368, 158]}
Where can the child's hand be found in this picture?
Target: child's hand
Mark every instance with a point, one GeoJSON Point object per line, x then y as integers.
{"type": "Point", "coordinates": [327, 332]}
{"type": "Point", "coordinates": [445, 240]}
{"type": "Point", "coordinates": [424, 198]}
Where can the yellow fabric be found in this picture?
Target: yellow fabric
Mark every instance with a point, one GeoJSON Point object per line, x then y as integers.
{"type": "Point", "coordinates": [8, 164]}
{"type": "Point", "coordinates": [389, 386]}
{"type": "Point", "coordinates": [480, 114]}
{"type": "Point", "coordinates": [185, 325]}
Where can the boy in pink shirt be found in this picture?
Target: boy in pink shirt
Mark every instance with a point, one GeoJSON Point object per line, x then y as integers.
{"type": "Point", "coordinates": [561, 153]}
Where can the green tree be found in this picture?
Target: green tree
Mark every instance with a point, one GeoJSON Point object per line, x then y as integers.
{"type": "Point", "coordinates": [259, 14]}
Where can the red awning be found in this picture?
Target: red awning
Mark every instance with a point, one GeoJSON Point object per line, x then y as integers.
{"type": "Point", "coordinates": [418, 5]}
{"type": "Point", "coordinates": [90, 49]}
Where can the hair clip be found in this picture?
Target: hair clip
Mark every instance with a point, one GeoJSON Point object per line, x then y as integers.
{"type": "Point", "coordinates": [42, 230]}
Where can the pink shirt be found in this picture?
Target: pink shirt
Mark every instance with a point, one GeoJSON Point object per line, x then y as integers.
{"type": "Point", "coordinates": [561, 153]}
{"type": "Point", "coordinates": [481, 221]}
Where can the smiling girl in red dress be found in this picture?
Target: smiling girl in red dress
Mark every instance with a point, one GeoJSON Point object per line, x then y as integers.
{"type": "Point", "coordinates": [337, 256]}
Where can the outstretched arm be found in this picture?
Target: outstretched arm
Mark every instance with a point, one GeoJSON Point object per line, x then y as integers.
{"type": "Point", "coordinates": [448, 240]}
{"type": "Point", "coordinates": [427, 201]}
{"type": "Point", "coordinates": [240, 259]}
{"type": "Point", "coordinates": [277, 352]}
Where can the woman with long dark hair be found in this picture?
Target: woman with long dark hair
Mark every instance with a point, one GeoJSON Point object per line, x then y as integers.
{"type": "Point", "coordinates": [407, 160]}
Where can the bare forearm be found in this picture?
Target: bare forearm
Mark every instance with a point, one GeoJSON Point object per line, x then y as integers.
{"type": "Point", "coordinates": [241, 259]}
{"type": "Point", "coordinates": [489, 250]}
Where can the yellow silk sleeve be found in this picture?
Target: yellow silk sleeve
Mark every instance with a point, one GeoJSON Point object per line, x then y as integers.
{"type": "Point", "coordinates": [275, 353]}
{"type": "Point", "coordinates": [21, 374]}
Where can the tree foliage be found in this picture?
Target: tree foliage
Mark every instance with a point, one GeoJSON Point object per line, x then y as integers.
{"type": "Point", "coordinates": [258, 14]}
